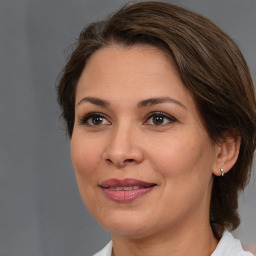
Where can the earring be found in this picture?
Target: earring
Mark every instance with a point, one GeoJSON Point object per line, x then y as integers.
{"type": "Point", "coordinates": [222, 172]}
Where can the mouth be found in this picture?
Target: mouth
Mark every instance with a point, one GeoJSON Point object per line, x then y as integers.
{"type": "Point", "coordinates": [126, 190]}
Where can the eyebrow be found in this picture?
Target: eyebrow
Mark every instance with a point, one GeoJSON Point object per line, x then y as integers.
{"type": "Point", "coordinates": [155, 101]}
{"type": "Point", "coordinates": [144, 103]}
{"type": "Point", "coordinates": [95, 101]}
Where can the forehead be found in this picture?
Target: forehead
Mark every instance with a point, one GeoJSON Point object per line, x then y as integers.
{"type": "Point", "coordinates": [119, 68]}
{"type": "Point", "coordinates": [129, 58]}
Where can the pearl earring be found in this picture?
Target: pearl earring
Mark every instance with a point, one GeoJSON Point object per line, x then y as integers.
{"type": "Point", "coordinates": [222, 172]}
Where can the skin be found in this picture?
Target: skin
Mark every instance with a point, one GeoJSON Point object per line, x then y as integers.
{"type": "Point", "coordinates": [177, 154]}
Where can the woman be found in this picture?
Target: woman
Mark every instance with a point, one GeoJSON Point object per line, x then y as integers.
{"type": "Point", "coordinates": [161, 111]}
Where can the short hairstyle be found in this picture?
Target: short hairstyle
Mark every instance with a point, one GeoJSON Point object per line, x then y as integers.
{"type": "Point", "coordinates": [212, 69]}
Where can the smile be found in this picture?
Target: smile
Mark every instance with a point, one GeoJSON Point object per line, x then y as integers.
{"type": "Point", "coordinates": [125, 190]}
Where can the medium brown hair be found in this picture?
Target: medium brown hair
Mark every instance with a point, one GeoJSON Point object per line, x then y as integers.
{"type": "Point", "coordinates": [211, 67]}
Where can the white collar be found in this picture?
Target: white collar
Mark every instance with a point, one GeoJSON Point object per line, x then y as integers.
{"type": "Point", "coordinates": [228, 245]}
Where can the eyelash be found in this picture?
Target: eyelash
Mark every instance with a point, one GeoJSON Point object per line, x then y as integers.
{"type": "Point", "coordinates": [170, 119]}
{"type": "Point", "coordinates": [84, 120]}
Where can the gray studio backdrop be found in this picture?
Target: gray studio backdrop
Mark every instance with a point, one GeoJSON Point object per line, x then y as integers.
{"type": "Point", "coordinates": [41, 213]}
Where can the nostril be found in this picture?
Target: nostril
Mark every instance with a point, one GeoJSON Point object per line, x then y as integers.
{"type": "Point", "coordinates": [108, 160]}
{"type": "Point", "coordinates": [119, 163]}
{"type": "Point", "coordinates": [128, 160]}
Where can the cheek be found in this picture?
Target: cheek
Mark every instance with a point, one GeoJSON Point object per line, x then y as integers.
{"type": "Point", "coordinates": [185, 167]}
{"type": "Point", "coordinates": [176, 153]}
{"type": "Point", "coordinates": [85, 154]}
{"type": "Point", "coordinates": [186, 157]}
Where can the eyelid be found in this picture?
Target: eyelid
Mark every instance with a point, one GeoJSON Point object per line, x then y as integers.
{"type": "Point", "coordinates": [85, 117]}
{"type": "Point", "coordinates": [160, 113]}
{"type": "Point", "coordinates": [89, 115]}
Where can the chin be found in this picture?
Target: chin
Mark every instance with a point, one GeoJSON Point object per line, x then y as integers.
{"type": "Point", "coordinates": [129, 225]}
{"type": "Point", "coordinates": [129, 231]}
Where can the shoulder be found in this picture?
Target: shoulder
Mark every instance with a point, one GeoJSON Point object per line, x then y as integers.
{"type": "Point", "coordinates": [106, 251]}
{"type": "Point", "coordinates": [228, 245]}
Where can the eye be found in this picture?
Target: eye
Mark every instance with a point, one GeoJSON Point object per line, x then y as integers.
{"type": "Point", "coordinates": [94, 119]}
{"type": "Point", "coordinates": [159, 118]}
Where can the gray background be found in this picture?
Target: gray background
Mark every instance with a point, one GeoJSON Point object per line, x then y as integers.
{"type": "Point", "coordinates": [41, 212]}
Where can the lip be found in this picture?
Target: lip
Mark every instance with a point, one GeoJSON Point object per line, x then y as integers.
{"type": "Point", "coordinates": [126, 190]}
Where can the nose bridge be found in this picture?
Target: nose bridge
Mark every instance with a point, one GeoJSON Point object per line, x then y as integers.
{"type": "Point", "coordinates": [121, 136]}
{"type": "Point", "coordinates": [123, 146]}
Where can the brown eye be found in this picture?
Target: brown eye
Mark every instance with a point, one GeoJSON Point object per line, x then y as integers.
{"type": "Point", "coordinates": [94, 119]}
{"type": "Point", "coordinates": [97, 120]}
{"type": "Point", "coordinates": [159, 118]}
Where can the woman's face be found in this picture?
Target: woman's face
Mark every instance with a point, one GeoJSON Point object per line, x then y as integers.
{"type": "Point", "coordinates": [141, 155]}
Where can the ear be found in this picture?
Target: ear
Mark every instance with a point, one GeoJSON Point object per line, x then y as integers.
{"type": "Point", "coordinates": [227, 154]}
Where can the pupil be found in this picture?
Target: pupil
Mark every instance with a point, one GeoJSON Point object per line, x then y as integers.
{"type": "Point", "coordinates": [157, 120]}
{"type": "Point", "coordinates": [97, 120]}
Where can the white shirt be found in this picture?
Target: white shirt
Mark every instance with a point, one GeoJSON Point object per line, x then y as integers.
{"type": "Point", "coordinates": [227, 246]}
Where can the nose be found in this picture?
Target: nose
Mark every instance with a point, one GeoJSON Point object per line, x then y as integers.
{"type": "Point", "coordinates": [124, 147]}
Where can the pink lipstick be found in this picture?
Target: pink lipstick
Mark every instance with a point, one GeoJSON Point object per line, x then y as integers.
{"type": "Point", "coordinates": [125, 190]}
